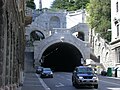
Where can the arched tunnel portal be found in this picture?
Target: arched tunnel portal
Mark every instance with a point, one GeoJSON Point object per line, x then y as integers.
{"type": "Point", "coordinates": [61, 57]}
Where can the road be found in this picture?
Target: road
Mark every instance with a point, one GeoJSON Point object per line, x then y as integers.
{"type": "Point", "coordinates": [62, 81]}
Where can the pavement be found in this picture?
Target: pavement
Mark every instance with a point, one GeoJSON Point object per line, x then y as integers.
{"type": "Point", "coordinates": [33, 82]}
{"type": "Point", "coordinates": [31, 79]}
{"type": "Point", "coordinates": [113, 77]}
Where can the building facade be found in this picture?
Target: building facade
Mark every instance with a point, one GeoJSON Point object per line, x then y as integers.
{"type": "Point", "coordinates": [11, 43]}
{"type": "Point", "coordinates": [115, 27]}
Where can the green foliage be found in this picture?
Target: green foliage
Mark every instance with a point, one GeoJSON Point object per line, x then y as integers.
{"type": "Point", "coordinates": [30, 4]}
{"type": "Point", "coordinates": [69, 5]}
{"type": "Point", "coordinates": [100, 17]}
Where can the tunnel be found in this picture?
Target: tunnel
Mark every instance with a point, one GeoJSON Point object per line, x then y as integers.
{"type": "Point", "coordinates": [61, 57]}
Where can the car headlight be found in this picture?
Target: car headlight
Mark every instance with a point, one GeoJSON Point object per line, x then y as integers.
{"type": "Point", "coordinates": [95, 78]}
{"type": "Point", "coordinates": [51, 73]}
{"type": "Point", "coordinates": [43, 73]}
{"type": "Point", "coordinates": [80, 78]}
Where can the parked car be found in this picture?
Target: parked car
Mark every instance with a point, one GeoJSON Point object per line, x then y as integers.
{"type": "Point", "coordinates": [46, 72]}
{"type": "Point", "coordinates": [84, 76]}
{"type": "Point", "coordinates": [38, 69]}
{"type": "Point", "coordinates": [103, 73]}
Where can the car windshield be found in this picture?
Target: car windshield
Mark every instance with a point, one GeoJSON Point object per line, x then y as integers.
{"type": "Point", "coordinates": [46, 69]}
{"type": "Point", "coordinates": [39, 68]}
{"type": "Point", "coordinates": [85, 70]}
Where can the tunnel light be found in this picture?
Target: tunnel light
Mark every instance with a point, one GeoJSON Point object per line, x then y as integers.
{"type": "Point", "coordinates": [61, 39]}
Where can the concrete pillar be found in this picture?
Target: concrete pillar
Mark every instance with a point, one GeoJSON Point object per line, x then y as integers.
{"type": "Point", "coordinates": [36, 63]}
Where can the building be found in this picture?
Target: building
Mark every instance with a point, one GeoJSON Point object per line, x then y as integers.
{"type": "Point", "coordinates": [115, 28]}
{"type": "Point", "coordinates": [11, 43]}
{"type": "Point", "coordinates": [109, 53]}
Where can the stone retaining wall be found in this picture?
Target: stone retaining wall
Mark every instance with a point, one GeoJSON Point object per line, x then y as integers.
{"type": "Point", "coordinates": [11, 43]}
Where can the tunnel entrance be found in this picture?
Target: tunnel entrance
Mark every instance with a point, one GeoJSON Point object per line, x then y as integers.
{"type": "Point", "coordinates": [61, 57]}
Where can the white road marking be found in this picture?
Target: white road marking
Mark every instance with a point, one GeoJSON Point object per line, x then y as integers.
{"type": "Point", "coordinates": [43, 83]}
{"type": "Point", "coordinates": [110, 82]}
{"type": "Point", "coordinates": [114, 88]}
{"type": "Point", "coordinates": [59, 85]}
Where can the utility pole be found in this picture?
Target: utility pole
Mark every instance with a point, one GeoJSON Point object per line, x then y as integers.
{"type": "Point", "coordinates": [40, 4]}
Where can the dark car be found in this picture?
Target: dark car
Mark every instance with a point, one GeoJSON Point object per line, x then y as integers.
{"type": "Point", "coordinates": [103, 73]}
{"type": "Point", "coordinates": [46, 72]}
{"type": "Point", "coordinates": [38, 69]}
{"type": "Point", "coordinates": [84, 76]}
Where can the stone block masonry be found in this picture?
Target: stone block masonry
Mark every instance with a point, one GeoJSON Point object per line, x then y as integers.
{"type": "Point", "coordinates": [11, 43]}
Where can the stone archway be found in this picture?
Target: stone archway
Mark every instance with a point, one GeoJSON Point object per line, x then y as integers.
{"type": "Point", "coordinates": [37, 35]}
{"type": "Point", "coordinates": [70, 49]}
{"type": "Point", "coordinates": [61, 56]}
{"type": "Point", "coordinates": [79, 35]}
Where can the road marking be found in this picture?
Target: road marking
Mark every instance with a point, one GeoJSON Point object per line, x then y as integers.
{"type": "Point", "coordinates": [59, 85]}
{"type": "Point", "coordinates": [43, 83]}
{"type": "Point", "coordinates": [110, 82]}
{"type": "Point", "coordinates": [114, 88]}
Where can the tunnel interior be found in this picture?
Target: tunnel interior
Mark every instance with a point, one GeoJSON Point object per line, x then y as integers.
{"type": "Point", "coordinates": [61, 57]}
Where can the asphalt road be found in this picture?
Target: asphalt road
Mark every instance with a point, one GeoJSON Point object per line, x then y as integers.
{"type": "Point", "coordinates": [62, 81]}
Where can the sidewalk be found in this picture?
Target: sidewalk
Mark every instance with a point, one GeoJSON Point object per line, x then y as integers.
{"type": "Point", "coordinates": [31, 82]}
{"type": "Point", "coordinates": [111, 77]}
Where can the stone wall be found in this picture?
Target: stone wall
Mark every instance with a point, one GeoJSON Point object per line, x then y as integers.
{"type": "Point", "coordinates": [11, 43]}
{"type": "Point", "coordinates": [102, 50]}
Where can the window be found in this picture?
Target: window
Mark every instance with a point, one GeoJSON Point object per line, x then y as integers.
{"type": "Point", "coordinates": [118, 54]}
{"type": "Point", "coordinates": [119, 57]}
{"type": "Point", "coordinates": [117, 7]}
{"type": "Point", "coordinates": [85, 70]}
{"type": "Point", "coordinates": [118, 30]}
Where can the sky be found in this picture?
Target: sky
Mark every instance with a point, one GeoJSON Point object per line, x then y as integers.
{"type": "Point", "coordinates": [45, 3]}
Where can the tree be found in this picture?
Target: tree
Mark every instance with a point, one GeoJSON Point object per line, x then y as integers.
{"type": "Point", "coordinates": [69, 5]}
{"type": "Point", "coordinates": [100, 17]}
{"type": "Point", "coordinates": [30, 4]}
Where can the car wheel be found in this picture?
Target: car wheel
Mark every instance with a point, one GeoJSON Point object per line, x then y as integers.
{"type": "Point", "coordinates": [41, 76]}
{"type": "Point", "coordinates": [96, 86]}
{"type": "Point", "coordinates": [73, 81]}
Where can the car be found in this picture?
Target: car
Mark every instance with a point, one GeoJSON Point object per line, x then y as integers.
{"type": "Point", "coordinates": [84, 76]}
{"type": "Point", "coordinates": [38, 69]}
{"type": "Point", "coordinates": [46, 72]}
{"type": "Point", "coordinates": [103, 73]}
